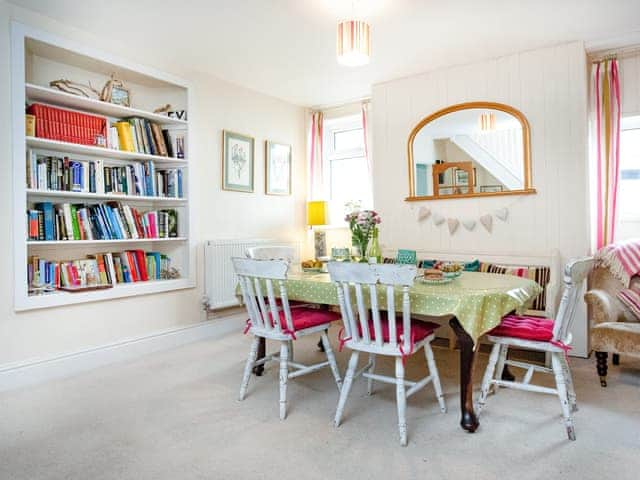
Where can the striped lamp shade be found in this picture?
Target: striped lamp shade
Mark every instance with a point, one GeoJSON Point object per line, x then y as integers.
{"type": "Point", "coordinates": [354, 43]}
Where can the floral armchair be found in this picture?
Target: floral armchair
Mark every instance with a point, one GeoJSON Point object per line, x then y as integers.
{"type": "Point", "coordinates": [615, 328]}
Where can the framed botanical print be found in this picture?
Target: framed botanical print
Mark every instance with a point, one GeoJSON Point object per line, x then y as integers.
{"type": "Point", "coordinates": [237, 162]}
{"type": "Point", "coordinates": [277, 168]}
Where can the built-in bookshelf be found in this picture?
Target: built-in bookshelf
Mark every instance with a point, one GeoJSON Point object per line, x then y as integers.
{"type": "Point", "coordinates": [119, 209]}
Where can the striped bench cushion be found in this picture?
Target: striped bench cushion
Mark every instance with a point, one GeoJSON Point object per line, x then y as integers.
{"type": "Point", "coordinates": [631, 299]}
{"type": "Point", "coordinates": [539, 274]}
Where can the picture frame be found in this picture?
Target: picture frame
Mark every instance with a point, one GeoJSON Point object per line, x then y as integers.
{"type": "Point", "coordinates": [238, 162]}
{"type": "Point", "coordinates": [278, 167]}
{"type": "Point", "coordinates": [491, 188]}
{"type": "Point", "coordinates": [461, 177]}
{"type": "Point", "coordinates": [120, 96]}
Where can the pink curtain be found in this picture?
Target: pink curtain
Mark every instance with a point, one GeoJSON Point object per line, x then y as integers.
{"type": "Point", "coordinates": [367, 136]}
{"type": "Point", "coordinates": [316, 166]}
{"type": "Point", "coordinates": [606, 124]}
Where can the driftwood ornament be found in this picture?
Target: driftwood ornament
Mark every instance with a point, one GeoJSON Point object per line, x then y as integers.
{"type": "Point", "coordinates": [75, 88]}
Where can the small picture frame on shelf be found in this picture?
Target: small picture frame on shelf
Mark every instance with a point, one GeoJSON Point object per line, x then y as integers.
{"type": "Point", "coordinates": [277, 168]}
{"type": "Point", "coordinates": [120, 96]}
{"type": "Point", "coordinates": [461, 177]}
{"type": "Point", "coordinates": [237, 162]}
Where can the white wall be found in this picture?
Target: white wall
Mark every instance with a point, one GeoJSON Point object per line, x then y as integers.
{"type": "Point", "coordinates": [217, 214]}
{"type": "Point", "coordinates": [550, 87]}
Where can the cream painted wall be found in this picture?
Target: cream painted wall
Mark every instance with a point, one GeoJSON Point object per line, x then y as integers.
{"type": "Point", "coordinates": [550, 87]}
{"type": "Point", "coordinates": [216, 214]}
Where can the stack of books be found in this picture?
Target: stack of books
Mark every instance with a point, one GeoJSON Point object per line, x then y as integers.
{"type": "Point", "coordinates": [100, 269]}
{"type": "Point", "coordinates": [102, 221]}
{"type": "Point", "coordinates": [142, 136]}
{"type": "Point", "coordinates": [45, 172]}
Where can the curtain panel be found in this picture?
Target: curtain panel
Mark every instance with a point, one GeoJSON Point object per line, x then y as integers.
{"type": "Point", "coordinates": [316, 164]}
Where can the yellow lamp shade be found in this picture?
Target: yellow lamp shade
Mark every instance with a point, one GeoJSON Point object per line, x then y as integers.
{"type": "Point", "coordinates": [316, 213]}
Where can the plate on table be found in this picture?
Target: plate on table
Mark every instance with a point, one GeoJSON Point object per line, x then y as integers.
{"type": "Point", "coordinates": [312, 270]}
{"type": "Point", "coordinates": [452, 275]}
{"type": "Point", "coordinates": [433, 281]}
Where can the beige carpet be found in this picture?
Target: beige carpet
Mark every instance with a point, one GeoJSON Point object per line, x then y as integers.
{"type": "Point", "coordinates": [175, 415]}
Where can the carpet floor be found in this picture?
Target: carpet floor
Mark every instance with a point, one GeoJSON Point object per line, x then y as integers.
{"type": "Point", "coordinates": [175, 415]}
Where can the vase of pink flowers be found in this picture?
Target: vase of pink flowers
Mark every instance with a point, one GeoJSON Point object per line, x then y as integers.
{"type": "Point", "coordinates": [363, 224]}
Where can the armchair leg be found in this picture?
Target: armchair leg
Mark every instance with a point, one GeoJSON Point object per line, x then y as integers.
{"type": "Point", "coordinates": [615, 359]}
{"type": "Point", "coordinates": [601, 365]}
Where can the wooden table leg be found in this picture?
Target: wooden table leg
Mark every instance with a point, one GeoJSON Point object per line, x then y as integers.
{"type": "Point", "coordinates": [262, 351]}
{"type": "Point", "coordinates": [469, 421]}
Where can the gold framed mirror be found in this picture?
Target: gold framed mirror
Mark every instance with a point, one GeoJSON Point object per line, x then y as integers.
{"type": "Point", "coordinates": [473, 149]}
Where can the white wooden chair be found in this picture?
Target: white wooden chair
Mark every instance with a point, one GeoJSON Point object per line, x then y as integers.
{"type": "Point", "coordinates": [383, 334]}
{"type": "Point", "coordinates": [544, 335]}
{"type": "Point", "coordinates": [277, 321]}
{"type": "Point", "coordinates": [272, 252]}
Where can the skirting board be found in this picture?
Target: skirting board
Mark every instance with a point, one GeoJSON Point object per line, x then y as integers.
{"type": "Point", "coordinates": [41, 370]}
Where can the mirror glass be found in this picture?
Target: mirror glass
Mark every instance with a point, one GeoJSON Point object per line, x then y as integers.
{"type": "Point", "coordinates": [470, 151]}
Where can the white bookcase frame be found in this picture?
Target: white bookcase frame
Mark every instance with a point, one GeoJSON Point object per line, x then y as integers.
{"type": "Point", "coordinates": [20, 33]}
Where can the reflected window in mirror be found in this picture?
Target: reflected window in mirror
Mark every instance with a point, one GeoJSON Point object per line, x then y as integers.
{"type": "Point", "coordinates": [470, 150]}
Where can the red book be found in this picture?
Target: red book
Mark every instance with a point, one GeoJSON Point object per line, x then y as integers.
{"type": "Point", "coordinates": [141, 263]}
{"type": "Point", "coordinates": [135, 276]}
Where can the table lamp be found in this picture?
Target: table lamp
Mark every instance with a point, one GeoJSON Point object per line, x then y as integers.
{"type": "Point", "coordinates": [317, 216]}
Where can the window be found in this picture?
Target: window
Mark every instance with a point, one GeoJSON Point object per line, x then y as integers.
{"type": "Point", "coordinates": [347, 171]}
{"type": "Point", "coordinates": [629, 186]}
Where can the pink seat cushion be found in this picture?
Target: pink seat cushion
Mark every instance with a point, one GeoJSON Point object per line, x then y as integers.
{"type": "Point", "coordinates": [528, 328]}
{"type": "Point", "coordinates": [419, 329]}
{"type": "Point", "coordinates": [304, 317]}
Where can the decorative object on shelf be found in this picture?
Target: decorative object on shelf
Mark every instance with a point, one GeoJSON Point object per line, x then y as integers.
{"type": "Point", "coordinates": [362, 224]}
{"type": "Point", "coordinates": [75, 88]}
{"type": "Point", "coordinates": [423, 213]}
{"type": "Point", "coordinates": [502, 213]}
{"type": "Point", "coordinates": [170, 273]}
{"type": "Point", "coordinates": [277, 168]}
{"type": "Point", "coordinates": [179, 114]}
{"type": "Point", "coordinates": [469, 224]}
{"type": "Point", "coordinates": [438, 219]}
{"type": "Point", "coordinates": [487, 222]}
{"type": "Point", "coordinates": [237, 162]}
{"type": "Point", "coordinates": [317, 217]}
{"type": "Point", "coordinates": [491, 188]}
{"type": "Point", "coordinates": [164, 109]}
{"type": "Point", "coordinates": [353, 43]}
{"type": "Point", "coordinates": [115, 92]}
{"type": "Point", "coordinates": [30, 125]}
{"type": "Point", "coordinates": [453, 224]}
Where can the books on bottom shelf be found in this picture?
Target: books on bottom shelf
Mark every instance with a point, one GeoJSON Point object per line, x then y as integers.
{"type": "Point", "coordinates": [98, 270]}
{"type": "Point", "coordinates": [101, 221]}
{"type": "Point", "coordinates": [62, 173]}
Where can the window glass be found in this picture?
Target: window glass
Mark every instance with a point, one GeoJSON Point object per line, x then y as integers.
{"type": "Point", "coordinates": [629, 185]}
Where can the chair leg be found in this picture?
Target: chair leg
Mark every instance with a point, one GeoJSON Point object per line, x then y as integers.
{"type": "Point", "coordinates": [571, 391]}
{"type": "Point", "coordinates": [284, 376]}
{"type": "Point", "coordinates": [502, 358]}
{"type": "Point", "coordinates": [489, 375]}
{"type": "Point", "coordinates": [615, 359]}
{"type": "Point", "coordinates": [435, 375]}
{"type": "Point", "coordinates": [331, 358]}
{"type": "Point", "coordinates": [556, 363]}
{"type": "Point", "coordinates": [401, 400]}
{"type": "Point", "coordinates": [372, 368]}
{"type": "Point", "coordinates": [253, 353]}
{"type": "Point", "coordinates": [346, 386]}
{"type": "Point", "coordinates": [290, 347]}
{"type": "Point", "coordinates": [601, 358]}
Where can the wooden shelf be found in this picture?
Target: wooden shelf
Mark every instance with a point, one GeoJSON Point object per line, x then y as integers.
{"type": "Point", "coordinates": [102, 196]}
{"type": "Point", "coordinates": [66, 147]}
{"type": "Point", "coordinates": [97, 242]}
{"type": "Point", "coordinates": [69, 100]}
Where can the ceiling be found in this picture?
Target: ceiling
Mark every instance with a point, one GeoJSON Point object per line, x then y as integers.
{"type": "Point", "coordinates": [286, 48]}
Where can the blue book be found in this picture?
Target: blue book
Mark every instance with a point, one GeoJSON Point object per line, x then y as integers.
{"type": "Point", "coordinates": [114, 222]}
{"type": "Point", "coordinates": [104, 222]}
{"type": "Point", "coordinates": [179, 183]}
{"type": "Point", "coordinates": [47, 209]}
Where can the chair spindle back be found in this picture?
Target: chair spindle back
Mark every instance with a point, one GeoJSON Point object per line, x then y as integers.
{"type": "Point", "coordinates": [575, 272]}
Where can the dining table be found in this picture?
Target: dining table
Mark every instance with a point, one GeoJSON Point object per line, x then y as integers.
{"type": "Point", "coordinates": [473, 304]}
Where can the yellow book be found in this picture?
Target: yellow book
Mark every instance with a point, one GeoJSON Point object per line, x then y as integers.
{"type": "Point", "coordinates": [125, 136]}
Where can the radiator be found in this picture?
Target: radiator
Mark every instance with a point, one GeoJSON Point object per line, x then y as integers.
{"type": "Point", "coordinates": [219, 278]}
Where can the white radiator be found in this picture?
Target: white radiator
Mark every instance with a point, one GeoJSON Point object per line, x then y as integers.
{"type": "Point", "coordinates": [219, 279]}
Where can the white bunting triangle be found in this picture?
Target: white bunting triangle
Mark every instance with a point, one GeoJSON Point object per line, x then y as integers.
{"type": "Point", "coordinates": [487, 222]}
{"type": "Point", "coordinates": [438, 219]}
{"type": "Point", "coordinates": [423, 214]}
{"type": "Point", "coordinates": [469, 224]}
{"type": "Point", "coordinates": [453, 224]}
{"type": "Point", "coordinates": [502, 213]}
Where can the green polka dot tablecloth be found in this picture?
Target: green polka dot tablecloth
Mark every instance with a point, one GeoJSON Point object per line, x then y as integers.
{"type": "Point", "coordinates": [478, 300]}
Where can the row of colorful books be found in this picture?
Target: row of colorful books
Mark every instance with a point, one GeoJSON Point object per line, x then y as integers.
{"type": "Point", "coordinates": [101, 221]}
{"type": "Point", "coordinates": [45, 172]}
{"type": "Point", "coordinates": [142, 136]}
{"type": "Point", "coordinates": [108, 268]}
